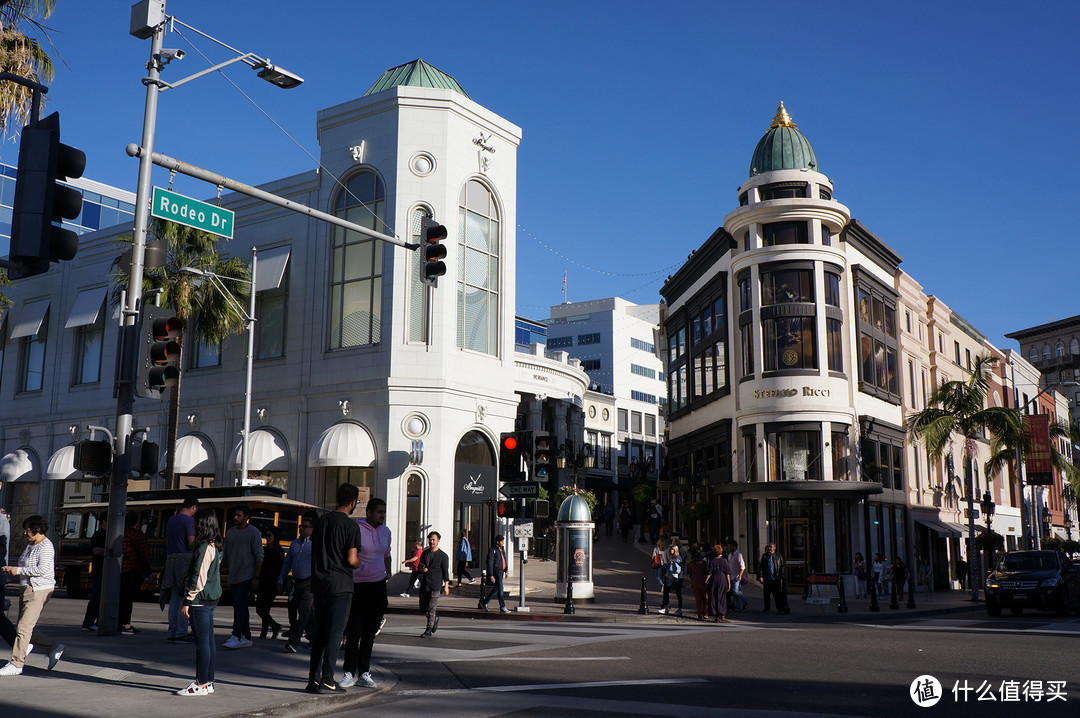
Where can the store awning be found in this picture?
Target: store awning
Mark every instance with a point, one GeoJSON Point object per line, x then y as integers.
{"type": "Point", "coordinates": [61, 465]}
{"type": "Point", "coordinates": [344, 444]}
{"type": "Point", "coordinates": [87, 308]}
{"type": "Point", "coordinates": [266, 452]}
{"type": "Point", "coordinates": [940, 527]}
{"type": "Point", "coordinates": [19, 465]}
{"type": "Point", "coordinates": [960, 529]}
{"type": "Point", "coordinates": [194, 455]}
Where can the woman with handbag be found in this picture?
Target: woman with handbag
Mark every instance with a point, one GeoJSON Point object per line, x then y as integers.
{"type": "Point", "coordinates": [673, 579]}
{"type": "Point", "coordinates": [659, 561]}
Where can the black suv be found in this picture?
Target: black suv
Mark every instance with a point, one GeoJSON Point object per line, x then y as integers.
{"type": "Point", "coordinates": [1045, 580]}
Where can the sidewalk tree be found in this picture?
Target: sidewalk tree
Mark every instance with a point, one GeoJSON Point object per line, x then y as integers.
{"type": "Point", "coordinates": [207, 317]}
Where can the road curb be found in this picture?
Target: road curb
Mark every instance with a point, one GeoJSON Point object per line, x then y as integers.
{"type": "Point", "coordinates": [309, 705]}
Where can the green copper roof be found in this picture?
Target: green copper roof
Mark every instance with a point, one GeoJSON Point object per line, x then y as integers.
{"type": "Point", "coordinates": [783, 147]}
{"type": "Point", "coordinates": [415, 74]}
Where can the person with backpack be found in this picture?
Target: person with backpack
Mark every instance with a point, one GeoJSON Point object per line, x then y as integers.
{"type": "Point", "coordinates": [673, 578]}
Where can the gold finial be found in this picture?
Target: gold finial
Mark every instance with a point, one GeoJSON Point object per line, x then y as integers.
{"type": "Point", "coordinates": [782, 119]}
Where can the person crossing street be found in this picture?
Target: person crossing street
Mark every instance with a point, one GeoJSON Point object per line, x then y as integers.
{"type": "Point", "coordinates": [496, 571]}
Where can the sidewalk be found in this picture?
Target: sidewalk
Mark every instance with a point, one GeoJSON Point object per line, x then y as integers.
{"type": "Point", "coordinates": [138, 674]}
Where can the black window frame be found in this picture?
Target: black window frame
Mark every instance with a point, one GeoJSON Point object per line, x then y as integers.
{"type": "Point", "coordinates": [872, 329]}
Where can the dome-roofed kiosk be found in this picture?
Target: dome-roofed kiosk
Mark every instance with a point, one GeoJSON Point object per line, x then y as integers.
{"type": "Point", "coordinates": [574, 527]}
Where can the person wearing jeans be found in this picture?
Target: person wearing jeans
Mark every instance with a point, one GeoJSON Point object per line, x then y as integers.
{"type": "Point", "coordinates": [738, 572]}
{"type": "Point", "coordinates": [244, 555]}
{"type": "Point", "coordinates": [369, 595]}
{"type": "Point", "coordinates": [179, 543]}
{"type": "Point", "coordinates": [298, 563]}
{"type": "Point", "coordinates": [202, 589]}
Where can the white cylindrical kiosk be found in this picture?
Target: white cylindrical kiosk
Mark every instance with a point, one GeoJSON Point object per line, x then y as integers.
{"type": "Point", "coordinates": [575, 527]}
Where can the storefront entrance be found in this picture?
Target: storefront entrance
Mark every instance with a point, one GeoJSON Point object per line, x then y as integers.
{"type": "Point", "coordinates": [796, 543]}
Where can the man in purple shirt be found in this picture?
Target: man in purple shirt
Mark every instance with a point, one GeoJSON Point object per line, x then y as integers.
{"type": "Point", "coordinates": [369, 595]}
{"type": "Point", "coordinates": [179, 544]}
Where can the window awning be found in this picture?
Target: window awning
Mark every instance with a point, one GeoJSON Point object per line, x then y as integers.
{"type": "Point", "coordinates": [61, 465]}
{"type": "Point", "coordinates": [940, 527]}
{"type": "Point", "coordinates": [194, 455]}
{"type": "Point", "coordinates": [266, 452]}
{"type": "Point", "coordinates": [959, 529]}
{"type": "Point", "coordinates": [19, 465]}
{"type": "Point", "coordinates": [29, 319]}
{"type": "Point", "coordinates": [344, 444]}
{"type": "Point", "coordinates": [87, 308]}
{"type": "Point", "coordinates": [270, 268]}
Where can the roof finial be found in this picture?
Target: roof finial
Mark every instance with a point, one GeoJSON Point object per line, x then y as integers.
{"type": "Point", "coordinates": [782, 119]}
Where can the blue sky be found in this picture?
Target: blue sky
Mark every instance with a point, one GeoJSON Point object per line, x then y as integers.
{"type": "Point", "coordinates": [947, 127]}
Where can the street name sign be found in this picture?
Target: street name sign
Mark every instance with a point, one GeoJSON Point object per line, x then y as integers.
{"type": "Point", "coordinates": [192, 213]}
{"type": "Point", "coordinates": [520, 489]}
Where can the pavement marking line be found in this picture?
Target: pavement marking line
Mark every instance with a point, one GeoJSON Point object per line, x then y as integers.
{"type": "Point", "coordinates": [587, 684]}
{"type": "Point", "coordinates": [516, 659]}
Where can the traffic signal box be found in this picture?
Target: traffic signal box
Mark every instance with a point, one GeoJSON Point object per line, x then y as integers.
{"type": "Point", "coordinates": [40, 200]}
{"type": "Point", "coordinates": [159, 351]}
{"type": "Point", "coordinates": [506, 509]}
{"type": "Point", "coordinates": [93, 457]}
{"type": "Point", "coordinates": [543, 456]}
{"type": "Point", "coordinates": [431, 236]}
{"type": "Point", "coordinates": [510, 455]}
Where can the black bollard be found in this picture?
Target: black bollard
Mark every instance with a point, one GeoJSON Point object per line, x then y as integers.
{"type": "Point", "coordinates": [569, 607]}
{"type": "Point", "coordinates": [840, 589]}
{"type": "Point", "coordinates": [643, 608]}
{"type": "Point", "coordinates": [910, 596]}
{"type": "Point", "coordinates": [874, 607]}
{"type": "Point", "coordinates": [894, 604]}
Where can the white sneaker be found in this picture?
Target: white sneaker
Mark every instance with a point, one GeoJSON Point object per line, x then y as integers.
{"type": "Point", "coordinates": [366, 680]}
{"type": "Point", "coordinates": [29, 648]}
{"type": "Point", "coordinates": [233, 642]}
{"type": "Point", "coordinates": [405, 595]}
{"type": "Point", "coordinates": [347, 681]}
{"type": "Point", "coordinates": [194, 690]}
{"type": "Point", "coordinates": [54, 655]}
{"type": "Point", "coordinates": [10, 670]}
{"type": "Point", "coordinates": [209, 687]}
{"type": "Point", "coordinates": [244, 643]}
{"type": "Point", "coordinates": [662, 610]}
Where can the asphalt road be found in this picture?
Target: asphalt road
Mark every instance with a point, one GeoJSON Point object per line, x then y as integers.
{"type": "Point", "coordinates": [740, 670]}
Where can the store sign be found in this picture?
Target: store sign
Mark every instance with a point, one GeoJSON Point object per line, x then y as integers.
{"type": "Point", "coordinates": [809, 391]}
{"type": "Point", "coordinates": [473, 483]}
{"type": "Point", "coordinates": [1040, 469]}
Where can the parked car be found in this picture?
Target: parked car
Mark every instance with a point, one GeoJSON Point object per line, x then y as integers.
{"type": "Point", "coordinates": [1044, 580]}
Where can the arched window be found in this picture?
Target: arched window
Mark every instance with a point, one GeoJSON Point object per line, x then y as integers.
{"type": "Point", "coordinates": [414, 499]}
{"type": "Point", "coordinates": [1033, 355]}
{"type": "Point", "coordinates": [1074, 347]}
{"type": "Point", "coordinates": [474, 449]}
{"type": "Point", "coordinates": [1059, 350]}
{"type": "Point", "coordinates": [356, 264]}
{"type": "Point", "coordinates": [478, 270]}
{"type": "Point", "coordinates": [1046, 352]}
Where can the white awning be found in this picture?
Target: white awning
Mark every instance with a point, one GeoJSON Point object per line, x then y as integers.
{"type": "Point", "coordinates": [19, 465]}
{"type": "Point", "coordinates": [344, 444]}
{"type": "Point", "coordinates": [194, 455]}
{"type": "Point", "coordinates": [29, 319]}
{"type": "Point", "coordinates": [270, 268]}
{"type": "Point", "coordinates": [61, 465]}
{"type": "Point", "coordinates": [87, 308]}
{"type": "Point", "coordinates": [267, 451]}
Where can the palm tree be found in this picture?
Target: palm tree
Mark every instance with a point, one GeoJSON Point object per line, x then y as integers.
{"type": "Point", "coordinates": [959, 407]}
{"type": "Point", "coordinates": [192, 299]}
{"type": "Point", "coordinates": [21, 54]}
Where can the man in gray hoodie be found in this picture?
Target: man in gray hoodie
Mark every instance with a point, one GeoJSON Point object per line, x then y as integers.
{"type": "Point", "coordinates": [243, 556]}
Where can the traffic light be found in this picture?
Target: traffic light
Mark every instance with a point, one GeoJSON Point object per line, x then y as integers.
{"type": "Point", "coordinates": [159, 351]}
{"type": "Point", "coordinates": [543, 455]}
{"type": "Point", "coordinates": [40, 201]}
{"type": "Point", "coordinates": [93, 457]}
{"type": "Point", "coordinates": [431, 236]}
{"type": "Point", "coordinates": [541, 508]}
{"type": "Point", "coordinates": [506, 509]}
{"type": "Point", "coordinates": [510, 455]}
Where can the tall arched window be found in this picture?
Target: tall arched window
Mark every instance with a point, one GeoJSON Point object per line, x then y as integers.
{"type": "Point", "coordinates": [356, 264]}
{"type": "Point", "coordinates": [1059, 350]}
{"type": "Point", "coordinates": [1074, 347]}
{"type": "Point", "coordinates": [1046, 352]}
{"type": "Point", "coordinates": [478, 270]}
{"type": "Point", "coordinates": [1033, 355]}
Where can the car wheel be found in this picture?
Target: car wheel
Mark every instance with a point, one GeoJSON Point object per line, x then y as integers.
{"type": "Point", "coordinates": [1016, 610]}
{"type": "Point", "coordinates": [993, 608]}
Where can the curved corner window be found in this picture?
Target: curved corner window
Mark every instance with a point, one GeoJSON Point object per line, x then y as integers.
{"type": "Point", "coordinates": [776, 233]}
{"type": "Point", "coordinates": [788, 319]}
{"type": "Point", "coordinates": [478, 270]}
{"type": "Point", "coordinates": [356, 264]}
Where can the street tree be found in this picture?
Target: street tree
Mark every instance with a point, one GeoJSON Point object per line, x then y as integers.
{"type": "Point", "coordinates": [208, 318]}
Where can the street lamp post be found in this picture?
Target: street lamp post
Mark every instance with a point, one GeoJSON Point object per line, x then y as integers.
{"type": "Point", "coordinates": [215, 281]}
{"type": "Point", "coordinates": [148, 21]}
{"type": "Point", "coordinates": [583, 459]}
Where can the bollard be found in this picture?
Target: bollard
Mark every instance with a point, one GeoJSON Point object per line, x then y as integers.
{"type": "Point", "coordinates": [569, 607]}
{"type": "Point", "coordinates": [840, 589]}
{"type": "Point", "coordinates": [910, 595]}
{"type": "Point", "coordinates": [643, 608]}
{"type": "Point", "coordinates": [894, 604]}
{"type": "Point", "coordinates": [874, 607]}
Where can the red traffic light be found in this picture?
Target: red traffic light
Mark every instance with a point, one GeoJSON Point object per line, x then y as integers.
{"type": "Point", "coordinates": [510, 442]}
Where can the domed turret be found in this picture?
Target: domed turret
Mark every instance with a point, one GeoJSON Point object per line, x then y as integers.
{"type": "Point", "coordinates": [783, 147]}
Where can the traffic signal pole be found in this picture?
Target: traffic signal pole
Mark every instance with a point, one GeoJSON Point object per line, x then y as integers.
{"type": "Point", "coordinates": [109, 614]}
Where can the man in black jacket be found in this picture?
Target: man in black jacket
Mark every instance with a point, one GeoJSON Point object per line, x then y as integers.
{"type": "Point", "coordinates": [434, 570]}
{"type": "Point", "coordinates": [496, 570]}
{"type": "Point", "coordinates": [771, 577]}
